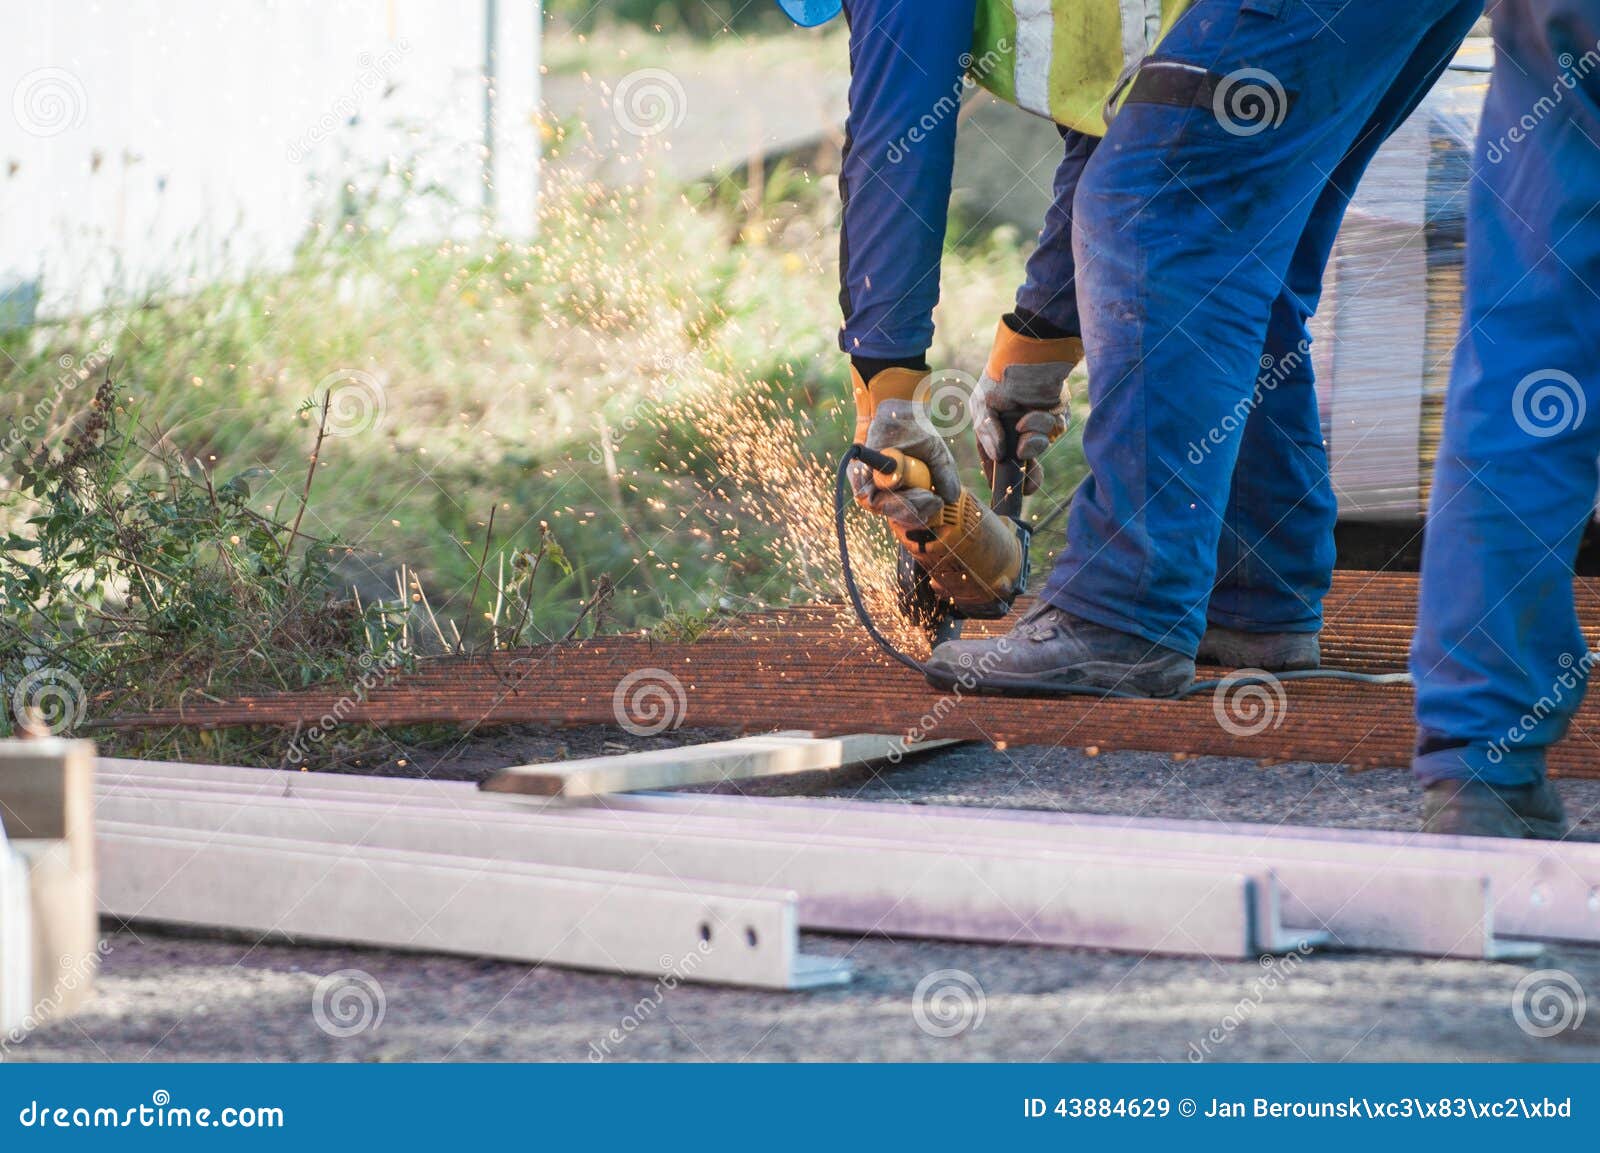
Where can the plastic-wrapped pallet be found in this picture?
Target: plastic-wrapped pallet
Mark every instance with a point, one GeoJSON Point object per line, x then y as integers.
{"type": "Point", "coordinates": [1386, 329]}
{"type": "Point", "coordinates": [16, 940]}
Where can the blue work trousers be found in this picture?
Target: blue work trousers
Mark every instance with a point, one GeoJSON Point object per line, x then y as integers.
{"type": "Point", "coordinates": [1498, 657]}
{"type": "Point", "coordinates": [1203, 223]}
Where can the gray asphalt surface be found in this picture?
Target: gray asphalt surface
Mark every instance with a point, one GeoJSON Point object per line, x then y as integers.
{"type": "Point", "coordinates": [168, 997]}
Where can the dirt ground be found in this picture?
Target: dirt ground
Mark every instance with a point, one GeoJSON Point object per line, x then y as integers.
{"type": "Point", "coordinates": [169, 997]}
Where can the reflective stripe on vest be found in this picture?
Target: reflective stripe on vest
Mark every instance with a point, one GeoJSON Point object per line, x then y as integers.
{"type": "Point", "coordinates": [1061, 59]}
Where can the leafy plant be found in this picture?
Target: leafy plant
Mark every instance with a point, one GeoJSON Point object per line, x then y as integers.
{"type": "Point", "coordinates": [139, 578]}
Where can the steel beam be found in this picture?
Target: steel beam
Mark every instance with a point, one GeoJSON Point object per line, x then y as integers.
{"type": "Point", "coordinates": [1358, 904]}
{"type": "Point", "coordinates": [1540, 890]}
{"type": "Point", "coordinates": [459, 904]}
{"type": "Point", "coordinates": [847, 883]}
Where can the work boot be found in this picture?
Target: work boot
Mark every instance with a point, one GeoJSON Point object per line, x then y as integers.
{"type": "Point", "coordinates": [1052, 649]}
{"type": "Point", "coordinates": [1474, 809]}
{"type": "Point", "coordinates": [1270, 652]}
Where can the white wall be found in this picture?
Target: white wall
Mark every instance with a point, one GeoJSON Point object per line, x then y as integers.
{"type": "Point", "coordinates": [161, 143]}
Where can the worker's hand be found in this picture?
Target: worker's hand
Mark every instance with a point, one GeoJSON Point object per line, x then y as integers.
{"type": "Point", "coordinates": [1032, 398]}
{"type": "Point", "coordinates": [904, 424]}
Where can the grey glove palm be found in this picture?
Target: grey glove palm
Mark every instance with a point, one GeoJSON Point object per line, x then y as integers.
{"type": "Point", "coordinates": [904, 425]}
{"type": "Point", "coordinates": [1032, 399]}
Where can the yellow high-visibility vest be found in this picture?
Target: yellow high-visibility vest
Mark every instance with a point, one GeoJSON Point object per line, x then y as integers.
{"type": "Point", "coordinates": [1063, 59]}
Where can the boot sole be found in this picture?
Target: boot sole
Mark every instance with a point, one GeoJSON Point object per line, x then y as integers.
{"type": "Point", "coordinates": [1265, 666]}
{"type": "Point", "coordinates": [1521, 829]}
{"type": "Point", "coordinates": [1143, 680]}
{"type": "Point", "coordinates": [1227, 660]}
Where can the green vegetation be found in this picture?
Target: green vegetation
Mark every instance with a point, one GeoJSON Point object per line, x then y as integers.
{"type": "Point", "coordinates": [169, 535]}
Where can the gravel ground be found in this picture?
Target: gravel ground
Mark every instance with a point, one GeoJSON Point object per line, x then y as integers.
{"type": "Point", "coordinates": [168, 997]}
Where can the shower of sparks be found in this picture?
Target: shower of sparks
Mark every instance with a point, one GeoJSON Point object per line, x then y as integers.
{"type": "Point", "coordinates": [638, 350]}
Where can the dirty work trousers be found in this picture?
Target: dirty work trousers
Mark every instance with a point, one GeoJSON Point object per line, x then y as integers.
{"type": "Point", "coordinates": [1203, 223]}
{"type": "Point", "coordinates": [1499, 659]}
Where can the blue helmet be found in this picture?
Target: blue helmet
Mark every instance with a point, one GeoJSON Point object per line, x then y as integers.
{"type": "Point", "coordinates": [810, 13]}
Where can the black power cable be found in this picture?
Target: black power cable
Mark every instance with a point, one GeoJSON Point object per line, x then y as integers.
{"type": "Point", "coordinates": [841, 490]}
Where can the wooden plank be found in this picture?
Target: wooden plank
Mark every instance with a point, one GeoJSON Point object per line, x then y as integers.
{"type": "Point", "coordinates": [776, 754]}
{"type": "Point", "coordinates": [466, 904]}
{"type": "Point", "coordinates": [850, 884]}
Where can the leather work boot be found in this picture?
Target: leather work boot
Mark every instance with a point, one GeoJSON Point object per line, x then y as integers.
{"type": "Point", "coordinates": [1051, 648]}
{"type": "Point", "coordinates": [1474, 809]}
{"type": "Point", "coordinates": [1269, 652]}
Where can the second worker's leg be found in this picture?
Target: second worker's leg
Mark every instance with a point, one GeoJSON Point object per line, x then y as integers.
{"type": "Point", "coordinates": [1188, 219]}
{"type": "Point", "coordinates": [1500, 660]}
{"type": "Point", "coordinates": [1186, 222]}
{"type": "Point", "coordinates": [1276, 554]}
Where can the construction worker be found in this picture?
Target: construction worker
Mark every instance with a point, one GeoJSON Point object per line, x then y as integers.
{"type": "Point", "coordinates": [1202, 226]}
{"type": "Point", "coordinates": [1499, 659]}
{"type": "Point", "coordinates": [908, 60]}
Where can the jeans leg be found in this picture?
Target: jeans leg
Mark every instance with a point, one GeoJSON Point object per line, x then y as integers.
{"type": "Point", "coordinates": [1188, 217]}
{"type": "Point", "coordinates": [1499, 658]}
{"type": "Point", "coordinates": [1276, 554]}
{"type": "Point", "coordinates": [1049, 288]}
{"type": "Point", "coordinates": [894, 182]}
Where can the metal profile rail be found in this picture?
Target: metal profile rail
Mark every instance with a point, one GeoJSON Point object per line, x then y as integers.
{"type": "Point", "coordinates": [1356, 905]}
{"type": "Point", "coordinates": [1367, 904]}
{"type": "Point", "coordinates": [1541, 890]}
{"type": "Point", "coordinates": [459, 904]}
{"type": "Point", "coordinates": [846, 883]}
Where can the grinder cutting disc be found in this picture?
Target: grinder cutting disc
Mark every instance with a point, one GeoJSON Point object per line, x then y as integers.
{"type": "Point", "coordinates": [934, 613]}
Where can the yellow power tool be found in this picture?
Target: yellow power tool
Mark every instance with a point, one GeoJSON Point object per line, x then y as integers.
{"type": "Point", "coordinates": [974, 563]}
